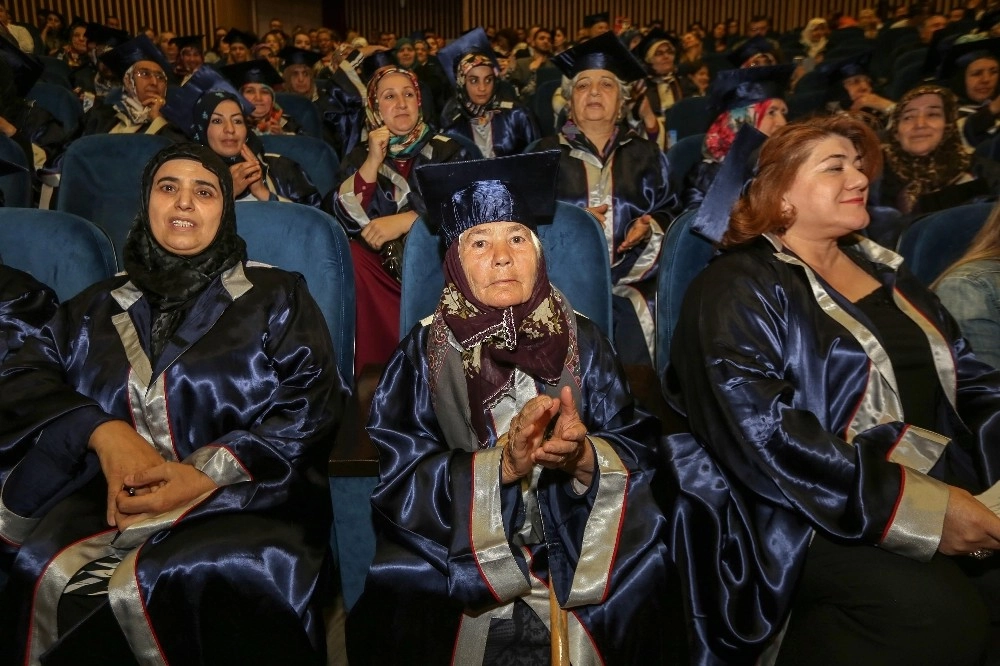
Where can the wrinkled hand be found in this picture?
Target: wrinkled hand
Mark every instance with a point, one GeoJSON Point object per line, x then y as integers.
{"type": "Point", "coordinates": [968, 525]}
{"type": "Point", "coordinates": [598, 212]}
{"type": "Point", "coordinates": [154, 104]}
{"type": "Point", "coordinates": [122, 452]}
{"type": "Point", "coordinates": [381, 230]}
{"type": "Point", "coordinates": [637, 233]}
{"type": "Point", "coordinates": [567, 448]}
{"type": "Point", "coordinates": [160, 489]}
{"type": "Point", "coordinates": [527, 429]}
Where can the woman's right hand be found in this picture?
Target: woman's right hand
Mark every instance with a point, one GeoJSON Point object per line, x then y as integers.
{"type": "Point", "coordinates": [121, 452]}
{"type": "Point", "coordinates": [249, 174]}
{"type": "Point", "coordinates": [968, 525]}
{"type": "Point", "coordinates": [527, 430]}
{"type": "Point", "coordinates": [378, 146]}
{"type": "Point", "coordinates": [598, 212]}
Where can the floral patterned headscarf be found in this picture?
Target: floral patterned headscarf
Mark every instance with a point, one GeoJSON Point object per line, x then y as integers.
{"type": "Point", "coordinates": [465, 65]}
{"type": "Point", "coordinates": [399, 146]}
{"type": "Point", "coordinates": [722, 133]}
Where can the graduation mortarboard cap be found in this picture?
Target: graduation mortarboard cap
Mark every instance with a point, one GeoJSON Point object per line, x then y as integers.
{"type": "Point", "coordinates": [25, 67]}
{"type": "Point", "coordinates": [293, 56]}
{"type": "Point", "coordinates": [186, 41]}
{"type": "Point", "coordinates": [123, 56]}
{"type": "Point", "coordinates": [961, 55]}
{"type": "Point", "coordinates": [375, 62]}
{"type": "Point", "coordinates": [712, 219]}
{"type": "Point", "coordinates": [750, 48]}
{"type": "Point", "coordinates": [836, 71]}
{"type": "Point", "coordinates": [462, 195]}
{"type": "Point", "coordinates": [591, 20]}
{"type": "Point", "coordinates": [236, 36]}
{"type": "Point", "coordinates": [734, 88]}
{"type": "Point", "coordinates": [252, 71]}
{"type": "Point", "coordinates": [604, 52]}
{"type": "Point", "coordinates": [474, 41]}
{"type": "Point", "coordinates": [180, 105]}
{"type": "Point", "coordinates": [651, 40]}
{"type": "Point", "coordinates": [988, 20]}
{"type": "Point", "coordinates": [102, 35]}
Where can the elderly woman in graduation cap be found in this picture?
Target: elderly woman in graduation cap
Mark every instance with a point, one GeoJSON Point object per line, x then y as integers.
{"type": "Point", "coordinates": [507, 417]}
{"type": "Point", "coordinates": [618, 176]}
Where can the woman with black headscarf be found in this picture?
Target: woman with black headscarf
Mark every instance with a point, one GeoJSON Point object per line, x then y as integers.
{"type": "Point", "coordinates": [169, 429]}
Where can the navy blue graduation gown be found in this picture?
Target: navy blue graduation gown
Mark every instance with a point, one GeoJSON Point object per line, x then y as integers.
{"type": "Point", "coordinates": [513, 127]}
{"type": "Point", "coordinates": [452, 550]}
{"type": "Point", "coordinates": [25, 304]}
{"type": "Point", "coordinates": [248, 391]}
{"type": "Point", "coordinates": [797, 428]}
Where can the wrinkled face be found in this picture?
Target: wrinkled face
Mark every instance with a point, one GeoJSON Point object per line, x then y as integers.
{"type": "Point", "coordinates": [776, 116]}
{"type": "Point", "coordinates": [479, 84]}
{"type": "Point", "coordinates": [299, 78]}
{"type": "Point", "coordinates": [238, 52]}
{"type": "Point", "coordinates": [227, 129]}
{"type": "Point", "coordinates": [261, 98]}
{"type": "Point", "coordinates": [406, 55]}
{"type": "Point", "coordinates": [185, 207]}
{"type": "Point", "coordinates": [500, 262]}
{"type": "Point", "coordinates": [397, 103]}
{"type": "Point", "coordinates": [829, 192]}
{"type": "Point", "coordinates": [921, 124]}
{"type": "Point", "coordinates": [981, 77]}
{"type": "Point", "coordinates": [191, 58]}
{"type": "Point", "coordinates": [150, 81]}
{"type": "Point", "coordinates": [302, 41]}
{"type": "Point", "coordinates": [663, 58]}
{"type": "Point", "coordinates": [596, 97]}
{"type": "Point", "coordinates": [857, 85]}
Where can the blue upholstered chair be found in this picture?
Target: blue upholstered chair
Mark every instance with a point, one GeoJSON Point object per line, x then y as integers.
{"type": "Point", "coordinates": [101, 177]}
{"type": "Point", "coordinates": [56, 71]}
{"type": "Point", "coordinates": [689, 116]}
{"type": "Point", "coordinates": [470, 146]}
{"type": "Point", "coordinates": [935, 241]}
{"type": "Point", "coordinates": [16, 187]}
{"type": "Point", "coordinates": [64, 251]}
{"type": "Point", "coordinates": [60, 102]}
{"type": "Point", "coordinates": [541, 105]}
{"type": "Point", "coordinates": [683, 256]}
{"type": "Point", "coordinates": [681, 157]}
{"type": "Point", "coordinates": [316, 157]}
{"type": "Point", "coordinates": [302, 111]}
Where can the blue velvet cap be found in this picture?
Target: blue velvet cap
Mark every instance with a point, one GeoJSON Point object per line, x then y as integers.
{"type": "Point", "coordinates": [185, 41]}
{"type": "Point", "coordinates": [251, 71]}
{"type": "Point", "coordinates": [474, 41]}
{"type": "Point", "coordinates": [836, 71]}
{"type": "Point", "coordinates": [733, 88]}
{"type": "Point", "coordinates": [180, 105]}
{"type": "Point", "coordinates": [236, 36]}
{"type": "Point", "coordinates": [590, 20]}
{"type": "Point", "coordinates": [375, 62]}
{"type": "Point", "coordinates": [603, 52]}
{"type": "Point", "coordinates": [462, 195]}
{"type": "Point", "coordinates": [25, 67]}
{"type": "Point", "coordinates": [295, 56]}
{"type": "Point", "coordinates": [750, 48]}
{"type": "Point", "coordinates": [712, 219]}
{"type": "Point", "coordinates": [959, 56]}
{"type": "Point", "coordinates": [123, 56]}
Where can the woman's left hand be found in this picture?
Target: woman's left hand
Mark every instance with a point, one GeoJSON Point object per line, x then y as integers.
{"type": "Point", "coordinates": [567, 448]}
{"type": "Point", "coordinates": [637, 233]}
{"type": "Point", "coordinates": [381, 230]}
{"type": "Point", "coordinates": [274, 127]}
{"type": "Point", "coordinates": [160, 489]}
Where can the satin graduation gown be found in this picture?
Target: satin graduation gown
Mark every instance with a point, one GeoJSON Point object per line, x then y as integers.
{"type": "Point", "coordinates": [25, 304]}
{"type": "Point", "coordinates": [797, 428]}
{"type": "Point", "coordinates": [459, 553]}
{"type": "Point", "coordinates": [248, 392]}
{"type": "Point", "coordinates": [633, 180]}
{"type": "Point", "coordinates": [288, 181]}
{"type": "Point", "coordinates": [512, 128]}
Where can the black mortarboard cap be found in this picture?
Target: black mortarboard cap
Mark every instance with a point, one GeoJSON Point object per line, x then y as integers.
{"type": "Point", "coordinates": [181, 103]}
{"type": "Point", "coordinates": [123, 56]}
{"type": "Point", "coordinates": [293, 56]}
{"type": "Point", "coordinates": [712, 219]}
{"type": "Point", "coordinates": [836, 71]}
{"type": "Point", "coordinates": [374, 62]}
{"type": "Point", "coordinates": [25, 67]}
{"type": "Point", "coordinates": [102, 35]}
{"type": "Point", "coordinates": [733, 88]}
{"type": "Point", "coordinates": [652, 38]}
{"type": "Point", "coordinates": [236, 36]}
{"type": "Point", "coordinates": [750, 48]}
{"type": "Point", "coordinates": [185, 41]}
{"type": "Point", "coordinates": [461, 195]}
{"type": "Point", "coordinates": [252, 71]}
{"type": "Point", "coordinates": [960, 56]}
{"type": "Point", "coordinates": [591, 20]}
{"type": "Point", "coordinates": [603, 52]}
{"type": "Point", "coordinates": [474, 41]}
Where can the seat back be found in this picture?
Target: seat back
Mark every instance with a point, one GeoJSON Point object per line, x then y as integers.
{"type": "Point", "coordinates": [683, 256]}
{"type": "Point", "coordinates": [16, 187]}
{"type": "Point", "coordinates": [316, 157]}
{"type": "Point", "coordinates": [101, 180]}
{"type": "Point", "coordinates": [904, 79]}
{"type": "Point", "coordinates": [681, 157]}
{"type": "Point", "coordinates": [937, 240]}
{"type": "Point", "coordinates": [576, 258]}
{"type": "Point", "coordinates": [308, 241]}
{"type": "Point", "coordinates": [303, 111]}
{"type": "Point", "coordinates": [542, 106]}
{"type": "Point", "coordinates": [64, 251]}
{"type": "Point", "coordinates": [474, 153]}
{"type": "Point", "coordinates": [60, 102]}
{"type": "Point", "coordinates": [56, 71]}
{"type": "Point", "coordinates": [689, 116]}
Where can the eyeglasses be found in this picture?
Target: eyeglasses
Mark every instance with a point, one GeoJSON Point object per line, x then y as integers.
{"type": "Point", "coordinates": [150, 73]}
{"type": "Point", "coordinates": [659, 53]}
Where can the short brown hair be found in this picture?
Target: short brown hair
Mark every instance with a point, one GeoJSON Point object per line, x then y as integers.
{"type": "Point", "coordinates": [760, 210]}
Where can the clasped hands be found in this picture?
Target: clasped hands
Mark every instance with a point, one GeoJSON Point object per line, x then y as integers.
{"type": "Point", "coordinates": [565, 448]}
{"type": "Point", "coordinates": [141, 484]}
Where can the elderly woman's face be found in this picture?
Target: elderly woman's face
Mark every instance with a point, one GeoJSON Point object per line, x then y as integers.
{"type": "Point", "coordinates": [776, 116]}
{"type": "Point", "coordinates": [78, 40]}
{"type": "Point", "coordinates": [261, 98]}
{"type": "Point", "coordinates": [662, 58]}
{"type": "Point", "coordinates": [921, 124]}
{"type": "Point", "coordinates": [829, 193]}
{"type": "Point", "coordinates": [857, 85]}
{"type": "Point", "coordinates": [479, 83]}
{"type": "Point", "coordinates": [596, 97]}
{"type": "Point", "coordinates": [397, 103]}
{"type": "Point", "coordinates": [185, 207]}
{"type": "Point", "coordinates": [299, 78]}
{"type": "Point", "coordinates": [500, 262]}
{"type": "Point", "coordinates": [150, 81]}
{"type": "Point", "coordinates": [227, 129]}
{"type": "Point", "coordinates": [981, 78]}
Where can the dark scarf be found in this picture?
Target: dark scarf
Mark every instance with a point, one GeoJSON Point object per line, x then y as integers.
{"type": "Point", "coordinates": [171, 282]}
{"type": "Point", "coordinates": [533, 336]}
{"type": "Point", "coordinates": [469, 109]}
{"type": "Point", "coordinates": [203, 110]}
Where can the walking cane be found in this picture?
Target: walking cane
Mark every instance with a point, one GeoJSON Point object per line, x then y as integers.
{"type": "Point", "coordinates": [558, 628]}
